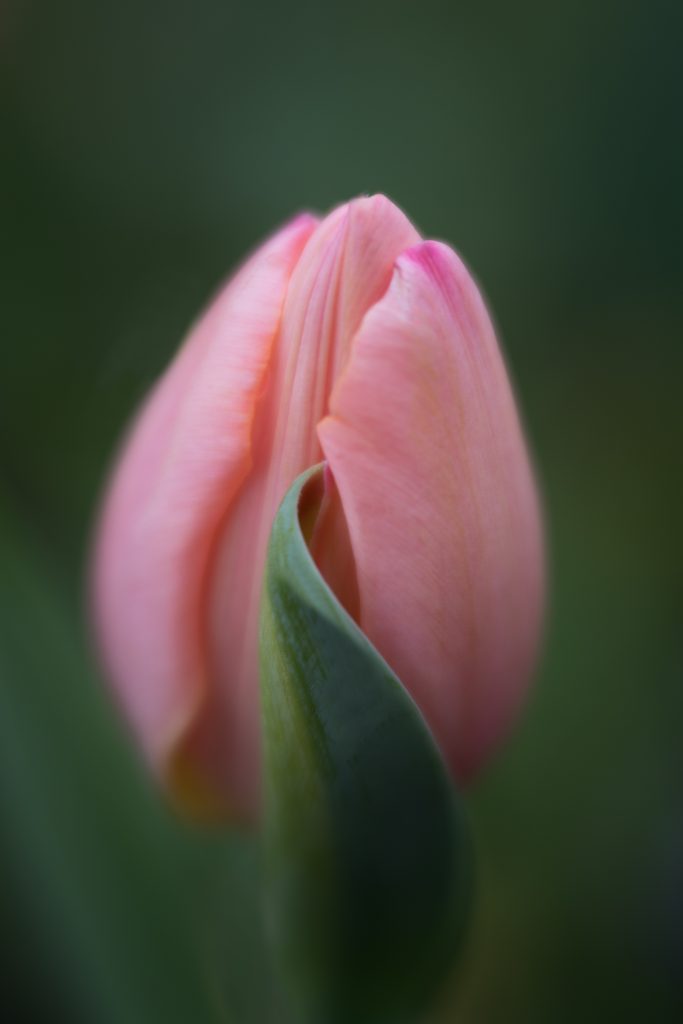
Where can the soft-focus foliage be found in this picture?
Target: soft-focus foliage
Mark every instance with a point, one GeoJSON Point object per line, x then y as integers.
{"type": "Point", "coordinates": [143, 152]}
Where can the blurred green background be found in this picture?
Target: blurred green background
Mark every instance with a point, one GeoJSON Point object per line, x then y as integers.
{"type": "Point", "coordinates": [145, 147]}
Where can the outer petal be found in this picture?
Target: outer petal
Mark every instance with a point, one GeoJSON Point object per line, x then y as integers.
{"type": "Point", "coordinates": [426, 449]}
{"type": "Point", "coordinates": [188, 454]}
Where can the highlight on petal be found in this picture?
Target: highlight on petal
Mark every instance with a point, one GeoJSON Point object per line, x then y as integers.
{"type": "Point", "coordinates": [187, 456]}
{"type": "Point", "coordinates": [426, 449]}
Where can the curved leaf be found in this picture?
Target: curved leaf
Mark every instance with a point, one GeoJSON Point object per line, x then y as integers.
{"type": "Point", "coordinates": [367, 857]}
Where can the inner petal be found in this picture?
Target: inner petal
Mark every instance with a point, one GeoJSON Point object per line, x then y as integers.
{"type": "Point", "coordinates": [345, 267]}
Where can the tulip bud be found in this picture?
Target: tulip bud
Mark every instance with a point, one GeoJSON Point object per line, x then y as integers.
{"type": "Point", "coordinates": [353, 341]}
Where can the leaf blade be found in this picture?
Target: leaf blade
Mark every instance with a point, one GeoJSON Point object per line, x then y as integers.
{"type": "Point", "coordinates": [368, 867]}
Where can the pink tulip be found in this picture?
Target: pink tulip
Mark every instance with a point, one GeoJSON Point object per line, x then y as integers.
{"type": "Point", "coordinates": [348, 339]}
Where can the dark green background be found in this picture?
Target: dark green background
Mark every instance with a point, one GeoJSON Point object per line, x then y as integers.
{"type": "Point", "coordinates": [144, 147]}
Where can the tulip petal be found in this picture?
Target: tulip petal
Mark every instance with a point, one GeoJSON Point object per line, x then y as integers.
{"type": "Point", "coordinates": [189, 453]}
{"type": "Point", "coordinates": [425, 445]}
{"type": "Point", "coordinates": [345, 267]}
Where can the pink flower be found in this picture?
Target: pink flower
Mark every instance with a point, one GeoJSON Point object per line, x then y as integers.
{"type": "Point", "coordinates": [348, 339]}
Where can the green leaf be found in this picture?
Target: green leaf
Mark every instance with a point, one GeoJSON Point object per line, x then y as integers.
{"type": "Point", "coordinates": [367, 856]}
{"type": "Point", "coordinates": [96, 924]}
